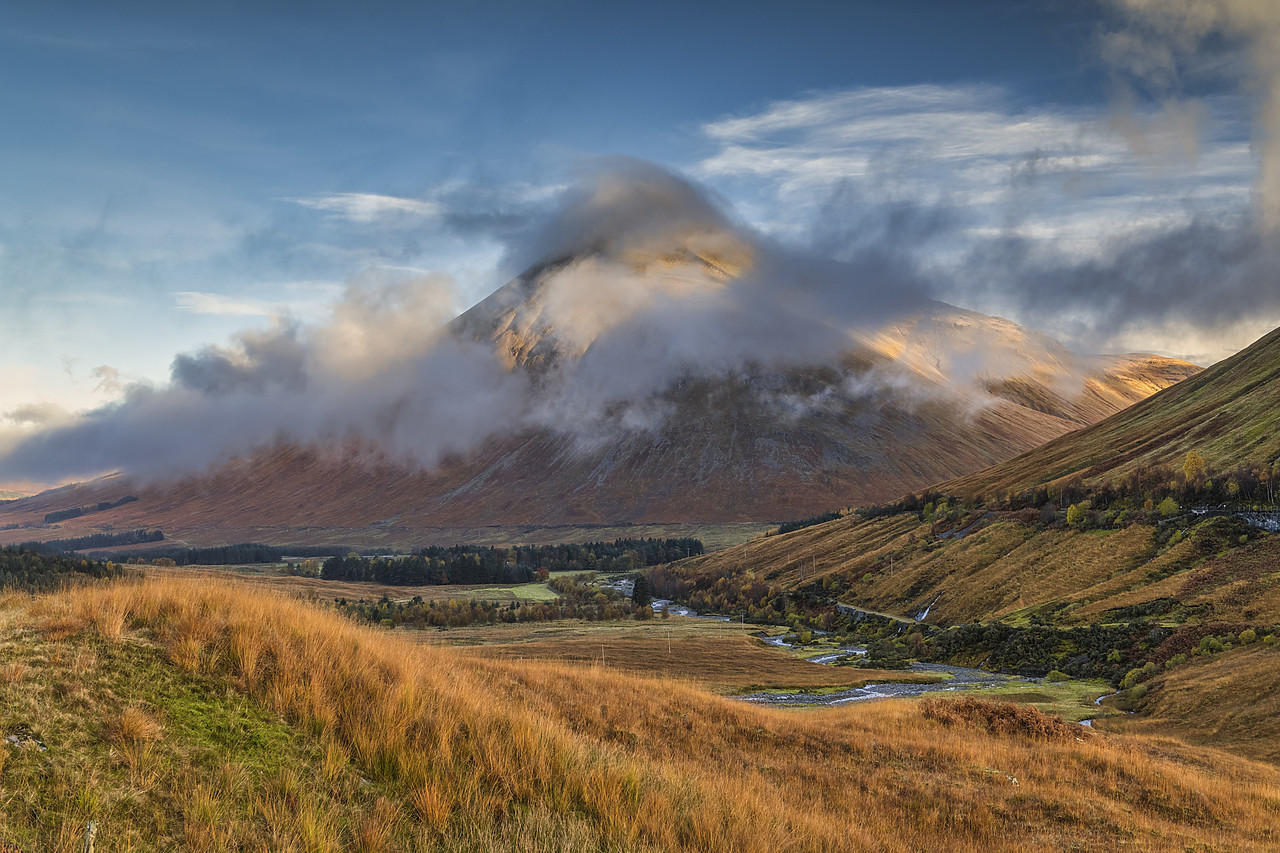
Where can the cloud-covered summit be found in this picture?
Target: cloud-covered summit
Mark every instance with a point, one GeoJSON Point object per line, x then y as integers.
{"type": "Point", "coordinates": [640, 280]}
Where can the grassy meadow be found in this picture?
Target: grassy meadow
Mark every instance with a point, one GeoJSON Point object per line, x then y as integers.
{"type": "Point", "coordinates": [206, 714]}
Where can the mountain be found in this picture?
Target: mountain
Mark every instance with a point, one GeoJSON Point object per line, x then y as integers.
{"type": "Point", "coordinates": [998, 544]}
{"type": "Point", "coordinates": [660, 391]}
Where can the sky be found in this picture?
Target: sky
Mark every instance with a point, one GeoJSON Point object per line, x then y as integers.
{"type": "Point", "coordinates": [180, 176]}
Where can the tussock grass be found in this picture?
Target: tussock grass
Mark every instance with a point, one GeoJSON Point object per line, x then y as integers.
{"type": "Point", "coordinates": [340, 737]}
{"type": "Point", "coordinates": [1000, 718]}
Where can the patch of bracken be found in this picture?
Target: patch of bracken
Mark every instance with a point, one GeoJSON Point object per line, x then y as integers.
{"type": "Point", "coordinates": [999, 718]}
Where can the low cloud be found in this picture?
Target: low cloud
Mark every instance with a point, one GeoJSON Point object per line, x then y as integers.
{"type": "Point", "coordinates": [1162, 49]}
{"type": "Point", "coordinates": [37, 414]}
{"type": "Point", "coordinates": [641, 281]}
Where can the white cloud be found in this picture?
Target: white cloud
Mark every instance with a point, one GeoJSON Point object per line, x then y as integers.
{"type": "Point", "coordinates": [370, 207]}
{"type": "Point", "coordinates": [1077, 221]}
{"type": "Point", "coordinates": [971, 149]}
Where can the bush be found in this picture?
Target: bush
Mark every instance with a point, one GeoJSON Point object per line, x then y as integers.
{"type": "Point", "coordinates": [1168, 507]}
{"type": "Point", "coordinates": [999, 718]}
{"type": "Point", "coordinates": [1248, 636]}
{"type": "Point", "coordinates": [1056, 675]}
{"type": "Point", "coordinates": [1078, 514]}
{"type": "Point", "coordinates": [1138, 674]}
{"type": "Point", "coordinates": [1210, 645]}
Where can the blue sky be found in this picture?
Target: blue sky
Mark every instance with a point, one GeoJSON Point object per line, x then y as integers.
{"type": "Point", "coordinates": [175, 174]}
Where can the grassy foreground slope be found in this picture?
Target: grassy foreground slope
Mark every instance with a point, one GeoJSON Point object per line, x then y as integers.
{"type": "Point", "coordinates": [210, 716]}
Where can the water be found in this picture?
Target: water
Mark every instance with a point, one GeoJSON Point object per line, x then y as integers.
{"type": "Point", "coordinates": [681, 610]}
{"type": "Point", "coordinates": [962, 678]}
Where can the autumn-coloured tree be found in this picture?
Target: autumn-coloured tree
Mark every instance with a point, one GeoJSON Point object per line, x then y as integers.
{"type": "Point", "coordinates": [1194, 468]}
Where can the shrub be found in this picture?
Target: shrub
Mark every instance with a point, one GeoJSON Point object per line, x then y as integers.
{"type": "Point", "coordinates": [999, 718]}
{"type": "Point", "coordinates": [1210, 645]}
{"type": "Point", "coordinates": [1168, 507]}
{"type": "Point", "coordinates": [1248, 636]}
{"type": "Point", "coordinates": [1056, 675]}
{"type": "Point", "coordinates": [1138, 674]}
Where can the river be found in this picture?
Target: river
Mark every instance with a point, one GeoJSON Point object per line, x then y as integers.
{"type": "Point", "coordinates": [954, 678]}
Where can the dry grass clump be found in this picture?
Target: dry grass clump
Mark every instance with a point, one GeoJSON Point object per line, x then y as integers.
{"type": "Point", "coordinates": [131, 736]}
{"type": "Point", "coordinates": [472, 754]}
{"type": "Point", "coordinates": [13, 672]}
{"type": "Point", "coordinates": [1000, 718]}
{"type": "Point", "coordinates": [133, 726]}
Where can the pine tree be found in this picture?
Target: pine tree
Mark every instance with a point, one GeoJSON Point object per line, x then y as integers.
{"type": "Point", "coordinates": [640, 592]}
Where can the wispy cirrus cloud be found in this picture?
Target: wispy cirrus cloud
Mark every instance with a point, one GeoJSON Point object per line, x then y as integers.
{"type": "Point", "coordinates": [298, 298]}
{"type": "Point", "coordinates": [371, 207]}
{"type": "Point", "coordinates": [197, 302]}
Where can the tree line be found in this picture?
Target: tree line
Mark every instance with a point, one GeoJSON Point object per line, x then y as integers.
{"type": "Point", "coordinates": [223, 555]}
{"type": "Point", "coordinates": [578, 600]}
{"type": "Point", "coordinates": [472, 564]}
{"type": "Point", "coordinates": [95, 541]}
{"type": "Point", "coordinates": [1144, 493]}
{"type": "Point", "coordinates": [31, 571]}
{"type": "Point", "coordinates": [77, 511]}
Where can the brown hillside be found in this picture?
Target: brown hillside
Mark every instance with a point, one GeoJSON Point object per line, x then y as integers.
{"type": "Point", "coordinates": [1230, 700]}
{"type": "Point", "coordinates": [1228, 413]}
{"type": "Point", "coordinates": [991, 563]}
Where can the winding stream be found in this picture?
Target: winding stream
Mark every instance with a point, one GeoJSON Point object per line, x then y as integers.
{"type": "Point", "coordinates": [962, 678]}
{"type": "Point", "coordinates": [959, 678]}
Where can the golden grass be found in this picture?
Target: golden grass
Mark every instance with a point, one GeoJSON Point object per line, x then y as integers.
{"type": "Point", "coordinates": [474, 754]}
{"type": "Point", "coordinates": [731, 664]}
{"type": "Point", "coordinates": [1002, 571]}
{"type": "Point", "coordinates": [1230, 700]}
